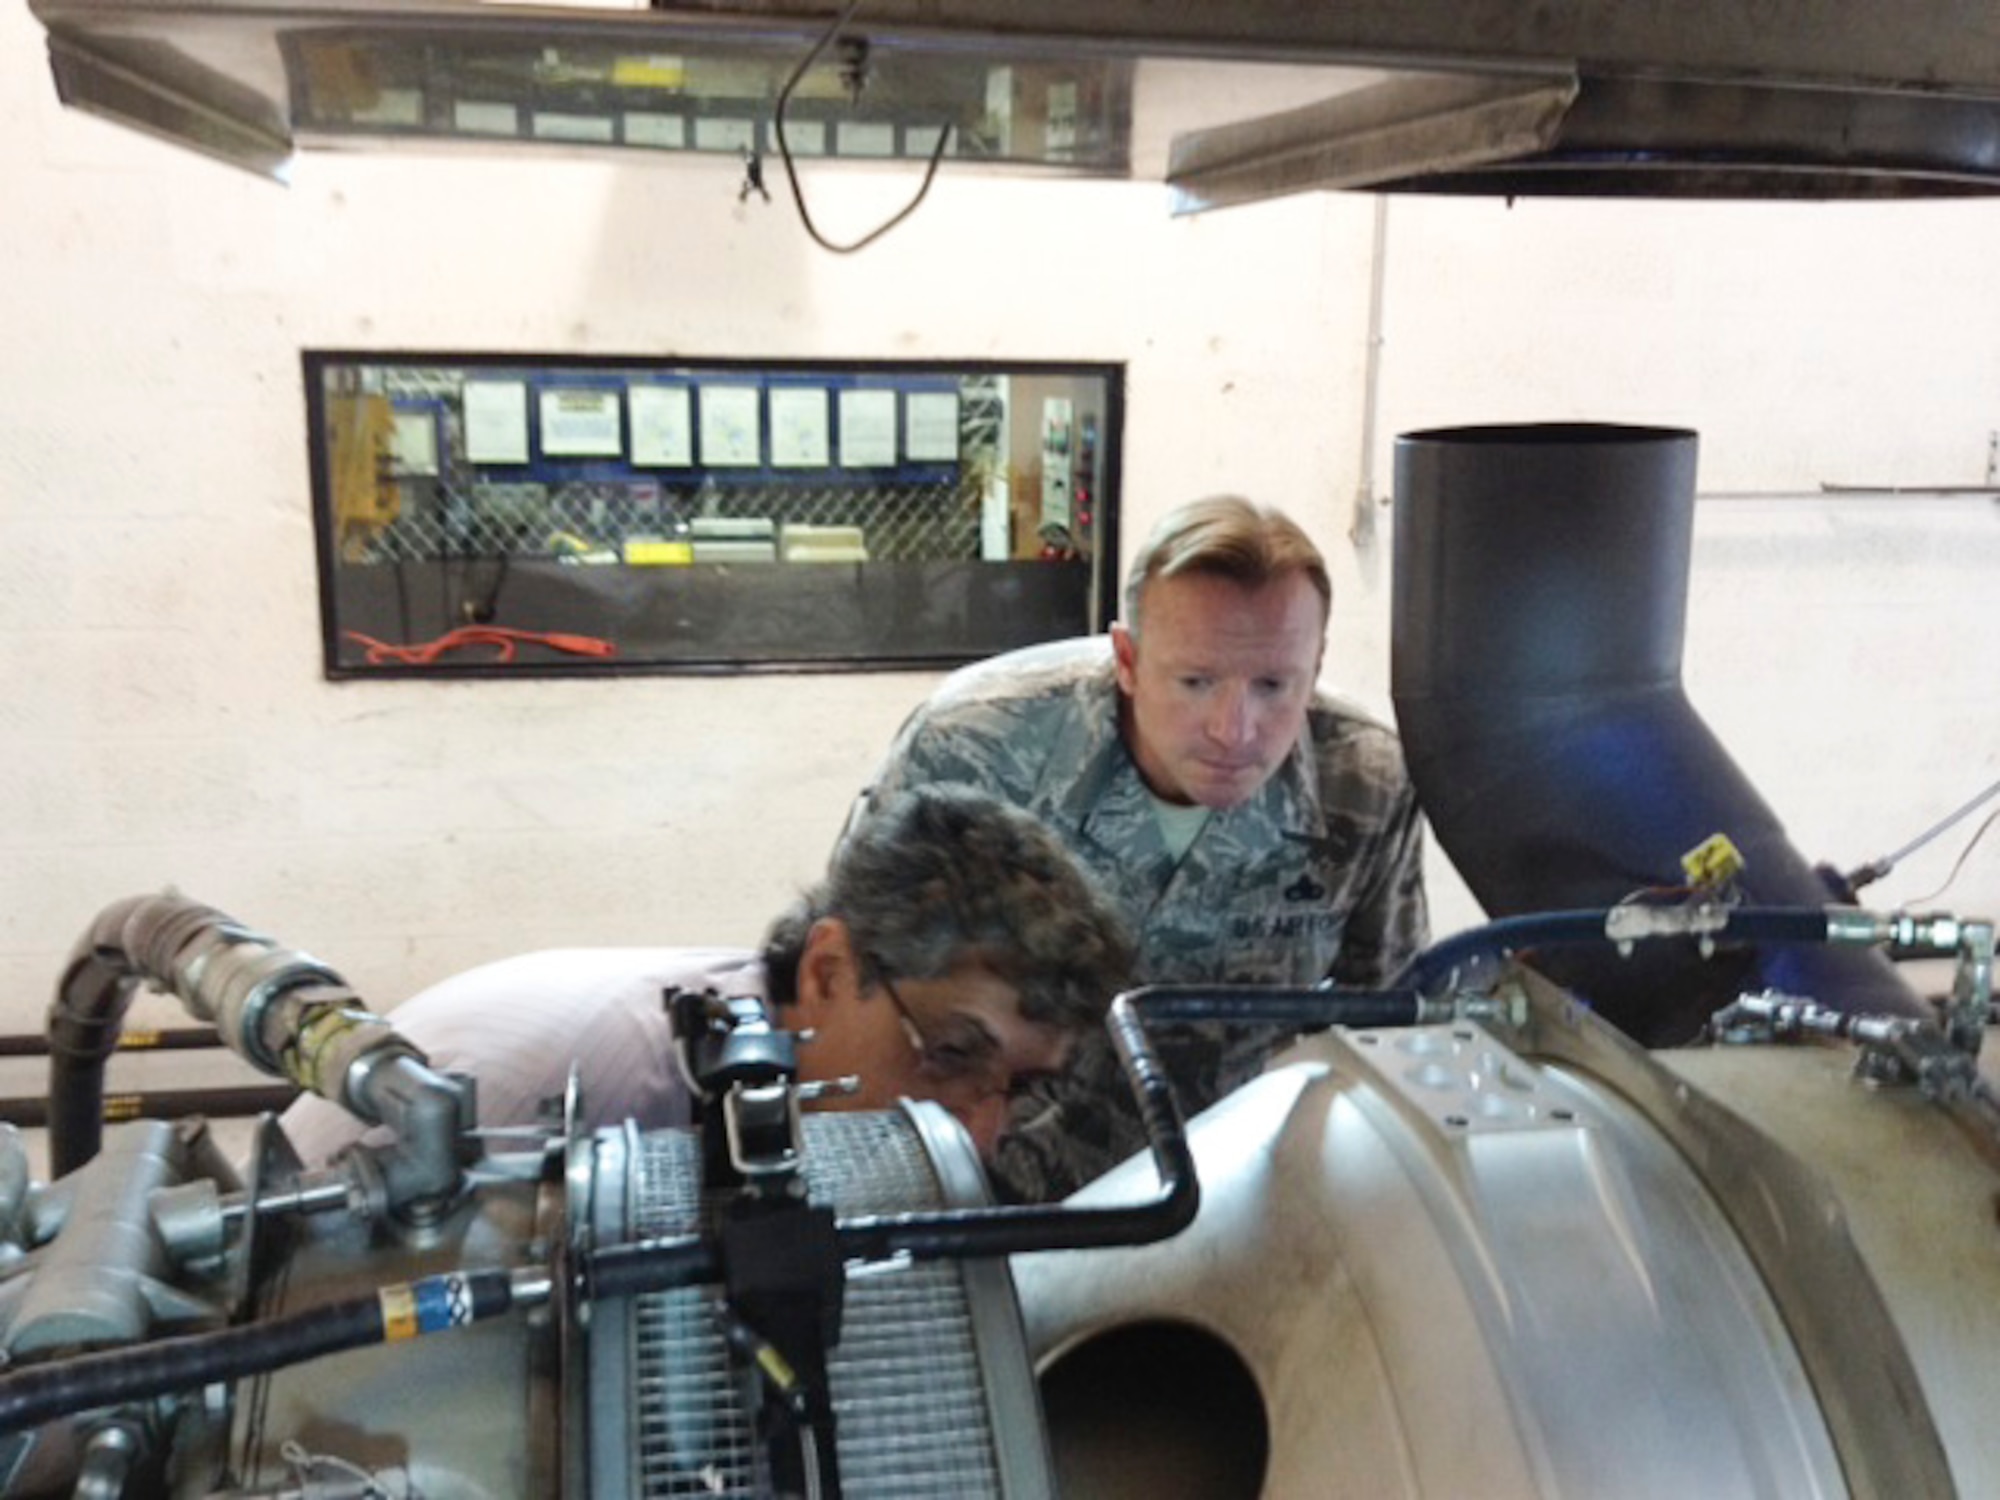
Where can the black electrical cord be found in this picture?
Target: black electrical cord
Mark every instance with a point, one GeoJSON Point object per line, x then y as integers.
{"type": "Point", "coordinates": [791, 167]}
{"type": "Point", "coordinates": [1957, 864]}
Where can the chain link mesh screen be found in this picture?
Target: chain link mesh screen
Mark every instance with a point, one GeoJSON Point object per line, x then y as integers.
{"type": "Point", "coordinates": [899, 523]}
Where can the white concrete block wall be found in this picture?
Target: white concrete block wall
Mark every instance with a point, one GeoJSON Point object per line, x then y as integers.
{"type": "Point", "coordinates": [164, 720]}
{"type": "Point", "coordinates": [1844, 651]}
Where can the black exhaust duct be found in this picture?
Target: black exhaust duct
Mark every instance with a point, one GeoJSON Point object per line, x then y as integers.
{"type": "Point", "coordinates": [1540, 598]}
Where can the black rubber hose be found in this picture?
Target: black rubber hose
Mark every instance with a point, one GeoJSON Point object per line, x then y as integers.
{"type": "Point", "coordinates": [41, 1393]}
{"type": "Point", "coordinates": [128, 941]}
{"type": "Point", "coordinates": [1435, 967]}
{"type": "Point", "coordinates": [1015, 1228]}
{"type": "Point", "coordinates": [1259, 1005]}
{"type": "Point", "coordinates": [640, 1266]}
{"type": "Point", "coordinates": [84, 1020]}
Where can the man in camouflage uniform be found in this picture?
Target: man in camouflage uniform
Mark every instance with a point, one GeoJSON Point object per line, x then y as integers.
{"type": "Point", "coordinates": [1253, 829]}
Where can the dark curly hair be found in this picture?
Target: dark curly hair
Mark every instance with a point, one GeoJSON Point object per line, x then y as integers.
{"type": "Point", "coordinates": [942, 875]}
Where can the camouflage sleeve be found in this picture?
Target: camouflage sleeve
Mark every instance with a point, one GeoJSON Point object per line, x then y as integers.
{"type": "Point", "coordinates": [1390, 921]}
{"type": "Point", "coordinates": [967, 746]}
{"type": "Point", "coordinates": [1392, 924]}
{"type": "Point", "coordinates": [1069, 1129]}
{"type": "Point", "coordinates": [1075, 1127]}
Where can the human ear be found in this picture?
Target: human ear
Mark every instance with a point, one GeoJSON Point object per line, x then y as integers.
{"type": "Point", "coordinates": [829, 972]}
{"type": "Point", "coordinates": [1125, 656]}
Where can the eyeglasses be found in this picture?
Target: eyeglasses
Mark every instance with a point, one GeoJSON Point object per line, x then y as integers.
{"type": "Point", "coordinates": [971, 1071]}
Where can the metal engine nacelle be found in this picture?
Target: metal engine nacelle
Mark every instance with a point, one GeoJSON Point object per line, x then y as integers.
{"type": "Point", "coordinates": [1525, 1258]}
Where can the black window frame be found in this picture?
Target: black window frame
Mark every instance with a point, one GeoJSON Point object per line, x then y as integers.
{"type": "Point", "coordinates": [888, 614]}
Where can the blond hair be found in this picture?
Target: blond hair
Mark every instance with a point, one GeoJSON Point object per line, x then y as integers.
{"type": "Point", "coordinates": [1225, 536]}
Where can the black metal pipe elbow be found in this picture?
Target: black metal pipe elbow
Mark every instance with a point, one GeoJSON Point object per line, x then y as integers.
{"type": "Point", "coordinates": [1539, 605]}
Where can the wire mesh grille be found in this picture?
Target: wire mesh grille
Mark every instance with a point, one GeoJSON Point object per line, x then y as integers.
{"type": "Point", "coordinates": [908, 1394]}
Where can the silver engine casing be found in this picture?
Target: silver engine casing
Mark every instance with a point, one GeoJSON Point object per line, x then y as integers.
{"type": "Point", "coordinates": [1538, 1261]}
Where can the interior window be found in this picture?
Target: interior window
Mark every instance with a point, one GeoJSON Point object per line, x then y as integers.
{"type": "Point", "coordinates": [505, 516]}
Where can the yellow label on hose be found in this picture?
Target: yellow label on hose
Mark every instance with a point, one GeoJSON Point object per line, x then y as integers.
{"type": "Point", "coordinates": [399, 1313]}
{"type": "Point", "coordinates": [777, 1369]}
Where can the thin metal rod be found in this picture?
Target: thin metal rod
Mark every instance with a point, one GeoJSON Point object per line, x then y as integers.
{"type": "Point", "coordinates": [1889, 861]}
{"type": "Point", "coordinates": [161, 1104]}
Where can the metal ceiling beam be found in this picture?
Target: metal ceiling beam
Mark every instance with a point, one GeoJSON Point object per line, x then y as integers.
{"type": "Point", "coordinates": [1706, 98]}
{"type": "Point", "coordinates": [1443, 124]}
{"type": "Point", "coordinates": [1932, 46]}
{"type": "Point", "coordinates": [174, 100]}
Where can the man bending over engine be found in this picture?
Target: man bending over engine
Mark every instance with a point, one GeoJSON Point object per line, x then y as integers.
{"type": "Point", "coordinates": [1252, 828]}
{"type": "Point", "coordinates": [953, 952]}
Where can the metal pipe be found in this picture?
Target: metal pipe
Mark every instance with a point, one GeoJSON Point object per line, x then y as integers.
{"type": "Point", "coordinates": [164, 1039]}
{"type": "Point", "coordinates": [31, 1113]}
{"type": "Point", "coordinates": [109, 1458]}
